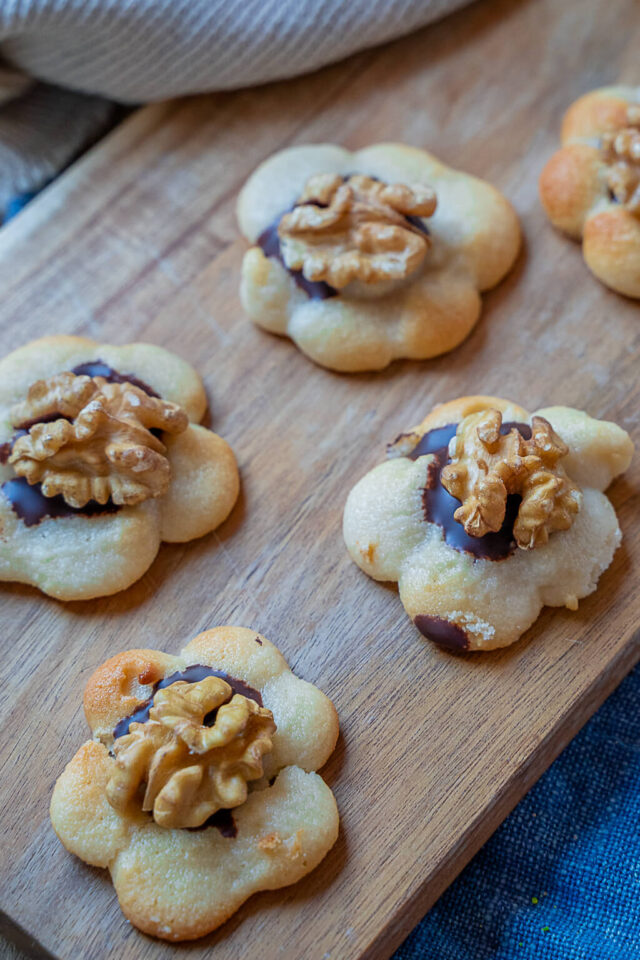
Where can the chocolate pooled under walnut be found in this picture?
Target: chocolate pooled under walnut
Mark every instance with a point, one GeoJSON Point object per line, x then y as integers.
{"type": "Point", "coordinates": [356, 228]}
{"type": "Point", "coordinates": [90, 439]}
{"type": "Point", "coordinates": [487, 466]}
{"type": "Point", "coordinates": [194, 755]}
{"type": "Point", "coordinates": [621, 150]}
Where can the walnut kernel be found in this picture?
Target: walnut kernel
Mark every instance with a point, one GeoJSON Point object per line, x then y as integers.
{"type": "Point", "coordinates": [189, 769]}
{"type": "Point", "coordinates": [621, 151]}
{"type": "Point", "coordinates": [99, 445]}
{"type": "Point", "coordinates": [487, 465]}
{"type": "Point", "coordinates": [356, 229]}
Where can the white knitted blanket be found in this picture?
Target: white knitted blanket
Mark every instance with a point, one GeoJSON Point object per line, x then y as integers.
{"type": "Point", "coordinates": [139, 50]}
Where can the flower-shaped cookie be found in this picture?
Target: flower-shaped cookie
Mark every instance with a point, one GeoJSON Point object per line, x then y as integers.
{"type": "Point", "coordinates": [484, 513]}
{"type": "Point", "coordinates": [363, 258]}
{"type": "Point", "coordinates": [198, 788]}
{"type": "Point", "coordinates": [102, 458]}
{"type": "Point", "coordinates": [590, 188]}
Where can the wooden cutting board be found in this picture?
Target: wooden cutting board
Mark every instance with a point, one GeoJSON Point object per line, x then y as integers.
{"type": "Point", "coordinates": [138, 241]}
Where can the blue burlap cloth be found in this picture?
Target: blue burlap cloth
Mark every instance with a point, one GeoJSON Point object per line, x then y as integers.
{"type": "Point", "coordinates": [560, 879]}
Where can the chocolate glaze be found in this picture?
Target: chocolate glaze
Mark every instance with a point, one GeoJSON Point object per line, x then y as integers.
{"type": "Point", "coordinates": [418, 223]}
{"type": "Point", "coordinates": [443, 632]}
{"type": "Point", "coordinates": [439, 506]}
{"type": "Point", "coordinates": [97, 368]}
{"type": "Point", "coordinates": [523, 429]}
{"type": "Point", "coordinates": [192, 674]}
{"type": "Point", "coordinates": [269, 242]}
{"type": "Point", "coordinates": [221, 819]}
{"type": "Point", "coordinates": [7, 447]}
{"type": "Point", "coordinates": [30, 504]}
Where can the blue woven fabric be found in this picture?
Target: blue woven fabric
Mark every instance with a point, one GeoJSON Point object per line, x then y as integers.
{"type": "Point", "coordinates": [560, 879]}
{"type": "Point", "coordinates": [16, 205]}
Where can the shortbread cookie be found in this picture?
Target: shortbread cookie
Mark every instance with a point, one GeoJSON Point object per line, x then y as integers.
{"type": "Point", "coordinates": [198, 788]}
{"type": "Point", "coordinates": [102, 458]}
{"type": "Point", "coordinates": [363, 258]}
{"type": "Point", "coordinates": [484, 513]}
{"type": "Point", "coordinates": [590, 188]}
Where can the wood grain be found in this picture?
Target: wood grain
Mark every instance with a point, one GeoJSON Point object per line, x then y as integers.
{"type": "Point", "coordinates": [138, 241]}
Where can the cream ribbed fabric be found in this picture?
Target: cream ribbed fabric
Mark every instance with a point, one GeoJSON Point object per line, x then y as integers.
{"type": "Point", "coordinates": [140, 50]}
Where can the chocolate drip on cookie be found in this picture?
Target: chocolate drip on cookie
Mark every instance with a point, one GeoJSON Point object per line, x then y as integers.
{"type": "Point", "coordinates": [97, 368]}
{"type": "Point", "coordinates": [7, 447]}
{"type": "Point", "coordinates": [443, 632]}
{"type": "Point", "coordinates": [223, 821]}
{"type": "Point", "coordinates": [192, 674]}
{"type": "Point", "coordinates": [269, 243]}
{"type": "Point", "coordinates": [31, 505]}
{"type": "Point", "coordinates": [439, 506]}
{"type": "Point", "coordinates": [416, 222]}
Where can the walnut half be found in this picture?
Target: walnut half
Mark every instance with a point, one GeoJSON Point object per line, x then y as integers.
{"type": "Point", "coordinates": [356, 228]}
{"type": "Point", "coordinates": [621, 151]}
{"type": "Point", "coordinates": [92, 440]}
{"type": "Point", "coordinates": [189, 768]}
{"type": "Point", "coordinates": [487, 465]}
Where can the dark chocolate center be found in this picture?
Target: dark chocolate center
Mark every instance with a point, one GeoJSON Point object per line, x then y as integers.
{"type": "Point", "coordinates": [97, 368]}
{"type": "Point", "coordinates": [7, 446]}
{"type": "Point", "coordinates": [269, 242]}
{"type": "Point", "coordinates": [31, 505]}
{"type": "Point", "coordinates": [439, 506]}
{"type": "Point", "coordinates": [221, 819]}
{"type": "Point", "coordinates": [192, 674]}
{"type": "Point", "coordinates": [28, 501]}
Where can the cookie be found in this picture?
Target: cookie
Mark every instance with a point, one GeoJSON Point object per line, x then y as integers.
{"type": "Point", "coordinates": [102, 458]}
{"type": "Point", "coordinates": [198, 788]}
{"type": "Point", "coordinates": [590, 188]}
{"type": "Point", "coordinates": [484, 513]}
{"type": "Point", "coordinates": [363, 258]}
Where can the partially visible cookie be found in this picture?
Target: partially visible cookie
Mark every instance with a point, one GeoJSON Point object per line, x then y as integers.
{"type": "Point", "coordinates": [590, 188]}
{"type": "Point", "coordinates": [362, 258]}
{"type": "Point", "coordinates": [485, 513]}
{"type": "Point", "coordinates": [102, 458]}
{"type": "Point", "coordinates": [198, 788]}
